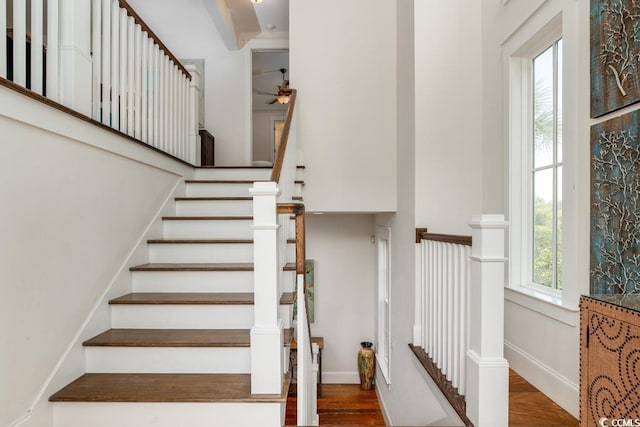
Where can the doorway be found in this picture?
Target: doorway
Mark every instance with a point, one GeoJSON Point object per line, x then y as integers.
{"type": "Point", "coordinates": [267, 116]}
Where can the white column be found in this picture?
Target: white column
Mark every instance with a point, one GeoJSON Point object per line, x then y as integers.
{"type": "Point", "coordinates": [76, 88]}
{"type": "Point", "coordinates": [487, 370]}
{"type": "Point", "coordinates": [266, 334]}
{"type": "Point", "coordinates": [192, 121]}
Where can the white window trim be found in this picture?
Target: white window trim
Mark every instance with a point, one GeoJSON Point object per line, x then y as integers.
{"type": "Point", "coordinates": [546, 26]}
{"type": "Point", "coordinates": [383, 322]}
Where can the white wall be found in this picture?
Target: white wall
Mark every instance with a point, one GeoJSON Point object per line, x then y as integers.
{"type": "Point", "coordinates": [448, 55]}
{"type": "Point", "coordinates": [344, 289]}
{"type": "Point", "coordinates": [77, 201]}
{"type": "Point", "coordinates": [263, 134]}
{"type": "Point", "coordinates": [188, 31]}
{"type": "Point", "coordinates": [342, 57]}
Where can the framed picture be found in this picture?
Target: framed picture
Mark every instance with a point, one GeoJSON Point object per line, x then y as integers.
{"type": "Point", "coordinates": [615, 206]}
{"type": "Point", "coordinates": [615, 63]}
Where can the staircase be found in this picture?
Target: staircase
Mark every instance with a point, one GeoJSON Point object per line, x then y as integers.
{"type": "Point", "coordinates": [178, 351]}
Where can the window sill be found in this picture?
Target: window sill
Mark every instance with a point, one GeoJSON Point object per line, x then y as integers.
{"type": "Point", "coordinates": [543, 303]}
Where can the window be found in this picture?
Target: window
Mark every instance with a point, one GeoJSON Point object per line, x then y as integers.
{"type": "Point", "coordinates": [538, 142]}
{"type": "Point", "coordinates": [383, 347]}
{"type": "Point", "coordinates": [546, 168]}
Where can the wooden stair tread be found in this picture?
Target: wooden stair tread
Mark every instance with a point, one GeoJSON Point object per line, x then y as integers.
{"type": "Point", "coordinates": [200, 241]}
{"type": "Point", "coordinates": [296, 198]}
{"type": "Point", "coordinates": [223, 181]}
{"type": "Point", "coordinates": [191, 298]}
{"type": "Point", "coordinates": [212, 199]}
{"type": "Point", "coordinates": [207, 218]}
{"type": "Point", "coordinates": [204, 266]}
{"type": "Point", "coordinates": [178, 388]}
{"type": "Point", "coordinates": [176, 338]}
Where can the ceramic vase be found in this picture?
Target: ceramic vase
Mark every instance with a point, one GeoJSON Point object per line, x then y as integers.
{"type": "Point", "coordinates": [366, 365]}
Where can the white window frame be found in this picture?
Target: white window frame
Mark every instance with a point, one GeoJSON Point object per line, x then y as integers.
{"type": "Point", "coordinates": [383, 323]}
{"type": "Point", "coordinates": [541, 31]}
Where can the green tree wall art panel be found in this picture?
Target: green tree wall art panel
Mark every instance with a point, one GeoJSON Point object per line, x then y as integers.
{"type": "Point", "coordinates": [615, 55]}
{"type": "Point", "coordinates": [615, 206]}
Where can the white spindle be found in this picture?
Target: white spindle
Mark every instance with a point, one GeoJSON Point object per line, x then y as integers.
{"type": "Point", "coordinates": [171, 141]}
{"type": "Point", "coordinates": [3, 32]}
{"type": "Point", "coordinates": [166, 85]}
{"type": "Point", "coordinates": [53, 60]}
{"type": "Point", "coordinates": [138, 54]}
{"type": "Point", "coordinates": [144, 83]}
{"type": "Point", "coordinates": [124, 78]}
{"type": "Point", "coordinates": [162, 101]}
{"type": "Point", "coordinates": [115, 64]}
{"type": "Point", "coordinates": [456, 328]}
{"type": "Point", "coordinates": [20, 42]}
{"type": "Point", "coordinates": [37, 28]}
{"type": "Point", "coordinates": [155, 127]}
{"type": "Point", "coordinates": [132, 93]}
{"type": "Point", "coordinates": [106, 63]}
{"type": "Point", "coordinates": [463, 338]}
{"type": "Point", "coordinates": [96, 45]}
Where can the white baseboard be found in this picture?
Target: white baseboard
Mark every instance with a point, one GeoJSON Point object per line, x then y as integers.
{"type": "Point", "coordinates": [559, 389]}
{"type": "Point", "coordinates": [383, 408]}
{"type": "Point", "coordinates": [341, 377]}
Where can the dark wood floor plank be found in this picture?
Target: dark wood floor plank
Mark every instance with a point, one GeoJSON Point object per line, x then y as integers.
{"type": "Point", "coordinates": [195, 298]}
{"type": "Point", "coordinates": [164, 388]}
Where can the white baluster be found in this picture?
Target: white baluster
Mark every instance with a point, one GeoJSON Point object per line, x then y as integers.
{"type": "Point", "coordinates": [139, 55]}
{"type": "Point", "coordinates": [124, 78]}
{"type": "Point", "coordinates": [3, 45]}
{"type": "Point", "coordinates": [53, 60]}
{"type": "Point", "coordinates": [463, 338]}
{"type": "Point", "coordinates": [156, 95]}
{"type": "Point", "coordinates": [162, 104]}
{"type": "Point", "coordinates": [96, 49]}
{"type": "Point", "coordinates": [132, 93]}
{"type": "Point", "coordinates": [115, 64]}
{"type": "Point", "coordinates": [144, 83]}
{"type": "Point", "coordinates": [106, 62]}
{"type": "Point", "coordinates": [20, 42]}
{"type": "Point", "coordinates": [37, 28]}
{"type": "Point", "coordinates": [170, 110]}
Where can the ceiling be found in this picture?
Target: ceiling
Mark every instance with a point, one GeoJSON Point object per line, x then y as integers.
{"type": "Point", "coordinates": [273, 15]}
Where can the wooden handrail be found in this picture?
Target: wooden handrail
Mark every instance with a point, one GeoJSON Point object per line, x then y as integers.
{"type": "Point", "coordinates": [284, 138]}
{"type": "Point", "coordinates": [456, 239]}
{"type": "Point", "coordinates": [156, 39]}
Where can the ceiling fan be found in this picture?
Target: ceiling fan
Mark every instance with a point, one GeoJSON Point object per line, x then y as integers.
{"type": "Point", "coordinates": [282, 96]}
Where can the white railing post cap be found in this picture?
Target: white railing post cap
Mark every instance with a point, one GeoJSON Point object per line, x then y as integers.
{"type": "Point", "coordinates": [264, 189]}
{"type": "Point", "coordinates": [488, 221]}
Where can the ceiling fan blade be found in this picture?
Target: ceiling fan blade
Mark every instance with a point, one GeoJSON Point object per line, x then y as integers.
{"type": "Point", "coordinates": [273, 101]}
{"type": "Point", "coordinates": [259, 92]}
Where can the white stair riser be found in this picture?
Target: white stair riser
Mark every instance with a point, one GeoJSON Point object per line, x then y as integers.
{"type": "Point", "coordinates": [214, 207]}
{"type": "Point", "coordinates": [218, 189]}
{"type": "Point", "coordinates": [179, 360]}
{"type": "Point", "coordinates": [248, 174]}
{"type": "Point", "coordinates": [193, 281]}
{"type": "Point", "coordinates": [169, 316]}
{"type": "Point", "coordinates": [208, 229]}
{"type": "Point", "coordinates": [201, 252]}
{"type": "Point", "coordinates": [297, 190]}
{"type": "Point", "coordinates": [161, 414]}
{"type": "Point", "coordinates": [201, 281]}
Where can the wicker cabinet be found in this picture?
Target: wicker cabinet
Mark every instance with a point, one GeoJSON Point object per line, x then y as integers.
{"type": "Point", "coordinates": [609, 359]}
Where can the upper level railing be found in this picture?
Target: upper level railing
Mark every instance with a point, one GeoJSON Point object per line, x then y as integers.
{"type": "Point", "coordinates": [459, 331]}
{"type": "Point", "coordinates": [112, 67]}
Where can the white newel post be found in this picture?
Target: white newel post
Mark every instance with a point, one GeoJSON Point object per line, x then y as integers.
{"type": "Point", "coordinates": [76, 84]}
{"type": "Point", "coordinates": [192, 121]}
{"type": "Point", "coordinates": [266, 334]}
{"type": "Point", "coordinates": [487, 370]}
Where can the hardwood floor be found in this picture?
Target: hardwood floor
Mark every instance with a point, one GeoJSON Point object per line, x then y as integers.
{"type": "Point", "coordinates": [342, 404]}
{"type": "Point", "coordinates": [346, 404]}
